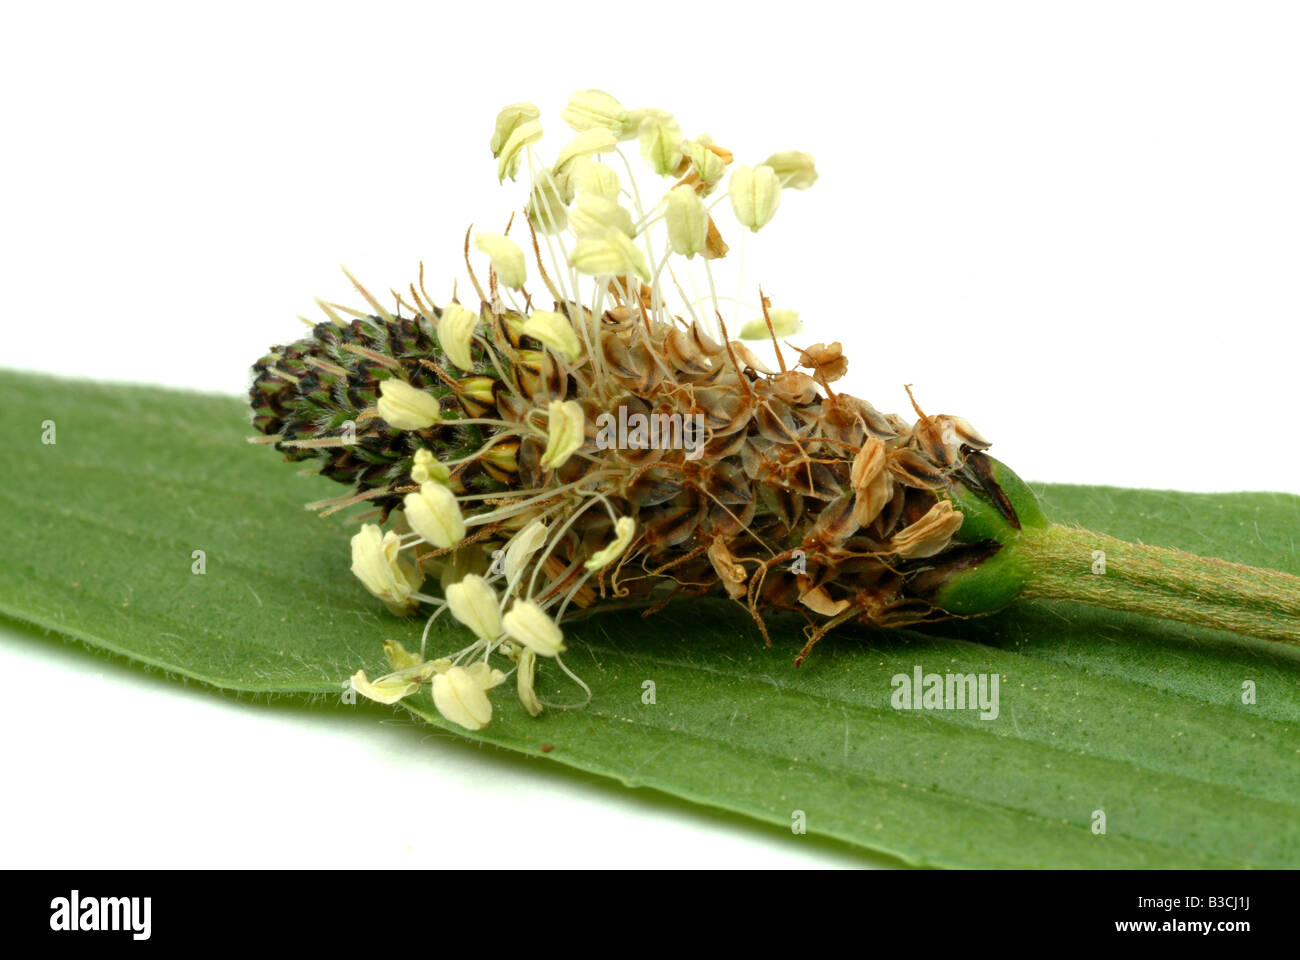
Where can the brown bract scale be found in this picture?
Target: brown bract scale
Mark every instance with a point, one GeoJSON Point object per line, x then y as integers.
{"type": "Point", "coordinates": [828, 363]}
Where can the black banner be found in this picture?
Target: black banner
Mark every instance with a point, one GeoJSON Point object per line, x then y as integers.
{"type": "Point", "coordinates": [359, 909]}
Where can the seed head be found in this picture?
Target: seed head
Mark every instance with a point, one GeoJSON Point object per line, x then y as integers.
{"type": "Point", "coordinates": [602, 436]}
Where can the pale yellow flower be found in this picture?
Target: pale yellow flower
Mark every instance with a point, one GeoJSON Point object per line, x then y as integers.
{"type": "Point", "coordinates": [525, 678]}
{"type": "Point", "coordinates": [506, 256]}
{"type": "Point", "coordinates": [589, 176]}
{"type": "Point", "coordinates": [522, 546]}
{"type": "Point", "coordinates": [385, 689]}
{"type": "Point", "coordinates": [398, 657]}
{"type": "Point", "coordinates": [588, 109]}
{"type": "Point", "coordinates": [555, 331]}
{"type": "Point", "coordinates": [609, 254]}
{"type": "Point", "coordinates": [527, 623]}
{"type": "Point", "coordinates": [661, 141]}
{"type": "Point", "coordinates": [708, 166]}
{"type": "Point", "coordinates": [594, 214]}
{"type": "Point", "coordinates": [785, 323]}
{"type": "Point", "coordinates": [794, 169]}
{"type": "Point", "coordinates": [624, 530]}
{"type": "Point", "coordinates": [406, 407]}
{"type": "Point", "coordinates": [564, 433]}
{"type": "Point", "coordinates": [508, 120]}
{"type": "Point", "coordinates": [435, 515]}
{"type": "Point", "coordinates": [473, 602]}
{"type": "Point", "coordinates": [687, 219]}
{"type": "Point", "coordinates": [462, 699]}
{"type": "Point", "coordinates": [377, 563]}
{"type": "Point", "coordinates": [456, 334]}
{"type": "Point", "coordinates": [425, 468]}
{"type": "Point", "coordinates": [511, 154]}
{"type": "Point", "coordinates": [595, 140]}
{"type": "Point", "coordinates": [755, 194]}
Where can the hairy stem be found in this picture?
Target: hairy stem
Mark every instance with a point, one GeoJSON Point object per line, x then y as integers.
{"type": "Point", "coordinates": [1069, 563]}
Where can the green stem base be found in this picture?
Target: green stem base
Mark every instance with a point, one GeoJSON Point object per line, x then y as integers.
{"type": "Point", "coordinates": [1069, 563]}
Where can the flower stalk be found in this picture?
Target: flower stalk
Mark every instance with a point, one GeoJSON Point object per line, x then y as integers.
{"type": "Point", "coordinates": [1066, 563]}
{"type": "Point", "coordinates": [470, 432]}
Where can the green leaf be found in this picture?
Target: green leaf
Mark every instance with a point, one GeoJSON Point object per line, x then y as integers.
{"type": "Point", "coordinates": [1140, 719]}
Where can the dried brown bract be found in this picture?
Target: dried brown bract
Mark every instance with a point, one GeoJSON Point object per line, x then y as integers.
{"type": "Point", "coordinates": [828, 363]}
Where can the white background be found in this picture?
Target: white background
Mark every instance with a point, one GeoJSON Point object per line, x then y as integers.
{"type": "Point", "coordinates": [1075, 224]}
